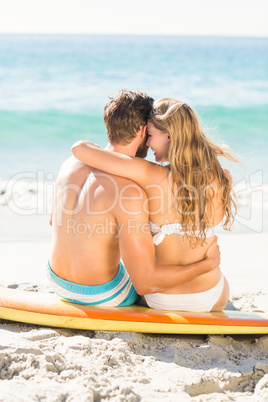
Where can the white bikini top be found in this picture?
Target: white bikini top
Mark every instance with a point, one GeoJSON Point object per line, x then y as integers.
{"type": "Point", "coordinates": [159, 232]}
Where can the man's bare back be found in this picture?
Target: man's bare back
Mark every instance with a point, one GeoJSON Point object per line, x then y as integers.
{"type": "Point", "coordinates": [85, 231]}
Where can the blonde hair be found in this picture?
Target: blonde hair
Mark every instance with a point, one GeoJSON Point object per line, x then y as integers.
{"type": "Point", "coordinates": [194, 164]}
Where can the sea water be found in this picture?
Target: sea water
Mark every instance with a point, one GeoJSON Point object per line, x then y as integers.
{"type": "Point", "coordinates": [53, 89]}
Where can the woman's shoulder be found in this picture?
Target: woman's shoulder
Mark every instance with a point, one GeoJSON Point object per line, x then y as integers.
{"type": "Point", "coordinates": [153, 172]}
{"type": "Point", "coordinates": [228, 175]}
{"type": "Point", "coordinates": [157, 172]}
{"type": "Point", "coordinates": [216, 183]}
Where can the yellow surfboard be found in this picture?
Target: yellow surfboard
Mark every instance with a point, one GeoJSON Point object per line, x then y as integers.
{"type": "Point", "coordinates": [47, 309]}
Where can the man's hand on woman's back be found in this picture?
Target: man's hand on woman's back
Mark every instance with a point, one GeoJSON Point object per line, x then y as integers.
{"type": "Point", "coordinates": [213, 255]}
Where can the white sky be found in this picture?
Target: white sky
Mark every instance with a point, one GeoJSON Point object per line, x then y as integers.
{"type": "Point", "coordinates": [163, 17]}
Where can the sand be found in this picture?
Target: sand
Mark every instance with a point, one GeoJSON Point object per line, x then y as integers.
{"type": "Point", "coordinates": [64, 365]}
{"type": "Point", "coordinates": [50, 364]}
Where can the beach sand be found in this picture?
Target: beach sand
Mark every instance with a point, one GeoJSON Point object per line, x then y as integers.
{"type": "Point", "coordinates": [50, 364]}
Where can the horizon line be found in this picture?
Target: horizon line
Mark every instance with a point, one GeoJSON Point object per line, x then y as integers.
{"type": "Point", "coordinates": [137, 34]}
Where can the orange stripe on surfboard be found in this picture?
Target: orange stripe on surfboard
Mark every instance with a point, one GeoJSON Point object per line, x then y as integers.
{"type": "Point", "coordinates": [50, 304]}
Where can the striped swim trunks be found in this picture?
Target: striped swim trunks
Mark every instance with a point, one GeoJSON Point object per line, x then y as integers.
{"type": "Point", "coordinates": [118, 292]}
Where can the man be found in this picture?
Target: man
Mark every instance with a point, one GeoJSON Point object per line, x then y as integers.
{"type": "Point", "coordinates": [99, 217]}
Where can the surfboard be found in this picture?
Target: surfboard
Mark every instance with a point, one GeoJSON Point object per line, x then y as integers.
{"type": "Point", "coordinates": [48, 310]}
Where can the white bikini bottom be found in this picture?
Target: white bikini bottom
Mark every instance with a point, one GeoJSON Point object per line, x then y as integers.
{"type": "Point", "coordinates": [196, 302]}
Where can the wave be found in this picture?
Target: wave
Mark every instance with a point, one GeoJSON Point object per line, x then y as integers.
{"type": "Point", "coordinates": [80, 73]}
{"type": "Point", "coordinates": [232, 124]}
{"type": "Point", "coordinates": [48, 125]}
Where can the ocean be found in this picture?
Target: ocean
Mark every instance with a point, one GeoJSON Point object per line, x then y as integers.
{"type": "Point", "coordinates": [53, 89]}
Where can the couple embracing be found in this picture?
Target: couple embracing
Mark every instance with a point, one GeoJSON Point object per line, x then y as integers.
{"type": "Point", "coordinates": [124, 227]}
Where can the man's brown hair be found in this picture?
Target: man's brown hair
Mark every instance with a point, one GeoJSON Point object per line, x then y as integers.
{"type": "Point", "coordinates": [125, 114]}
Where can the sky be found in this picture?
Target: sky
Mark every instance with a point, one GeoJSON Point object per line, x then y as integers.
{"type": "Point", "coordinates": [168, 17]}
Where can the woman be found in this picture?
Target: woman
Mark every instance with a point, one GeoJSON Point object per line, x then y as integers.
{"type": "Point", "coordinates": [188, 198]}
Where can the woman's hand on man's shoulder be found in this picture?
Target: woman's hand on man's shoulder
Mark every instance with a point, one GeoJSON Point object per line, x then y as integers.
{"type": "Point", "coordinates": [213, 255]}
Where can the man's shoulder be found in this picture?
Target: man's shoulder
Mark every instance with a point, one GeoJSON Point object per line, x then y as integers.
{"type": "Point", "coordinates": [72, 167]}
{"type": "Point", "coordinates": [123, 181]}
{"type": "Point", "coordinates": [128, 188]}
{"type": "Point", "coordinates": [109, 181]}
{"type": "Point", "coordinates": [131, 199]}
{"type": "Point", "coordinates": [72, 164]}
